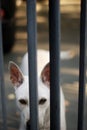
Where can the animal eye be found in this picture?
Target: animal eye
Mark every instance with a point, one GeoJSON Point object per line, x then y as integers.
{"type": "Point", "coordinates": [42, 101]}
{"type": "Point", "coordinates": [23, 101]}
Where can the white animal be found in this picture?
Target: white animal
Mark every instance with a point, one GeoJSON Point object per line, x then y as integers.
{"type": "Point", "coordinates": [19, 79]}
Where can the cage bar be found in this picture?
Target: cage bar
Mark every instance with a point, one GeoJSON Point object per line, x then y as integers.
{"type": "Point", "coordinates": [82, 67]}
{"type": "Point", "coordinates": [54, 40]}
{"type": "Point", "coordinates": [2, 85]}
{"type": "Point", "coordinates": [32, 56]}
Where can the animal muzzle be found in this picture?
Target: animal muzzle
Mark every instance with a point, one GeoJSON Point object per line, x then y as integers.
{"type": "Point", "coordinates": [28, 125]}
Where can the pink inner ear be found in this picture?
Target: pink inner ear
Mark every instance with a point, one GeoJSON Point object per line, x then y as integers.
{"type": "Point", "coordinates": [45, 75]}
{"type": "Point", "coordinates": [15, 75]}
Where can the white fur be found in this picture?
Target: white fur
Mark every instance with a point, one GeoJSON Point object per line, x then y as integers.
{"type": "Point", "coordinates": [42, 60]}
{"type": "Point", "coordinates": [21, 92]}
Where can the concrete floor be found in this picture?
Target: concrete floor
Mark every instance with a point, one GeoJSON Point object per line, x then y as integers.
{"type": "Point", "coordinates": [70, 13]}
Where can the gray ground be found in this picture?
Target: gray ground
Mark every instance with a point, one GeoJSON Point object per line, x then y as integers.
{"type": "Point", "coordinates": [69, 68]}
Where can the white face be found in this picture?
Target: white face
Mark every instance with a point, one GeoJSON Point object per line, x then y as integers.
{"type": "Point", "coordinates": [22, 97]}
{"type": "Point", "coordinates": [21, 86]}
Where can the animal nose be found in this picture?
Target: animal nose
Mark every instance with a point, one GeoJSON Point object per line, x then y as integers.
{"type": "Point", "coordinates": [28, 125]}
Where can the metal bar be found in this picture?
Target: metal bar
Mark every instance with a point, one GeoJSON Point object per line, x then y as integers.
{"type": "Point", "coordinates": [2, 85]}
{"type": "Point", "coordinates": [54, 39]}
{"type": "Point", "coordinates": [82, 68]}
{"type": "Point", "coordinates": [32, 42]}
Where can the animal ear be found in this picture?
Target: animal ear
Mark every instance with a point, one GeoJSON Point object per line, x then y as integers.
{"type": "Point", "coordinates": [16, 75]}
{"type": "Point", "coordinates": [45, 75]}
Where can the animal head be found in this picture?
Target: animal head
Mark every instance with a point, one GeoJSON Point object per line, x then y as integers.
{"type": "Point", "coordinates": [21, 85]}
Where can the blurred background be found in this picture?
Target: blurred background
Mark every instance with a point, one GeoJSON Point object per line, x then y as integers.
{"type": "Point", "coordinates": [14, 27]}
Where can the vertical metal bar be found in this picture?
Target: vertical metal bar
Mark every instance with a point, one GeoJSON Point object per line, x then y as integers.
{"type": "Point", "coordinates": [2, 86]}
{"type": "Point", "coordinates": [32, 42]}
{"type": "Point", "coordinates": [82, 68]}
{"type": "Point", "coordinates": [54, 39]}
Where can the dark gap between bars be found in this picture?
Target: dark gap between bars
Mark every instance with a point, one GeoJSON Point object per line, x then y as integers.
{"type": "Point", "coordinates": [82, 68]}
{"type": "Point", "coordinates": [2, 85]}
{"type": "Point", "coordinates": [54, 40]}
{"type": "Point", "coordinates": [32, 46]}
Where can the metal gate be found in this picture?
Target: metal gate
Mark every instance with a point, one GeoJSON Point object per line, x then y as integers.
{"type": "Point", "coordinates": [54, 37]}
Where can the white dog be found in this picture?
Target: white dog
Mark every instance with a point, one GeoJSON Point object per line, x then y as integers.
{"type": "Point", "coordinates": [19, 79]}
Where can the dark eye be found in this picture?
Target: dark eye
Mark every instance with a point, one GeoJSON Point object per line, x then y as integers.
{"type": "Point", "coordinates": [23, 101]}
{"type": "Point", "coordinates": [42, 101]}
